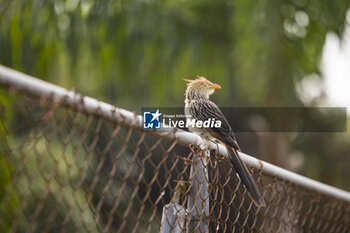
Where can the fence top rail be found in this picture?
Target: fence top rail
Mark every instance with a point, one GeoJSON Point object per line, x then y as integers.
{"type": "Point", "coordinates": [32, 86]}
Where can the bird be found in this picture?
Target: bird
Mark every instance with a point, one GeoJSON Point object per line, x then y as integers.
{"type": "Point", "coordinates": [199, 107]}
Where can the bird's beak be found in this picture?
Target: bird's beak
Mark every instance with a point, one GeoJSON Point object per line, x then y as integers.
{"type": "Point", "coordinates": [216, 86]}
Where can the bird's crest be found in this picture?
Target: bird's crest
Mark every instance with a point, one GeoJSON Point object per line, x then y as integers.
{"type": "Point", "coordinates": [198, 79]}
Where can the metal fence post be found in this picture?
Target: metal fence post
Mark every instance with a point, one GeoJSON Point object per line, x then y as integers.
{"type": "Point", "coordinates": [173, 218]}
{"type": "Point", "coordinates": [198, 198]}
{"type": "Point", "coordinates": [174, 214]}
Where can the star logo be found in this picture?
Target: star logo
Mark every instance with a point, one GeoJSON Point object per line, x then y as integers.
{"type": "Point", "coordinates": [156, 115]}
{"type": "Point", "coordinates": [151, 120]}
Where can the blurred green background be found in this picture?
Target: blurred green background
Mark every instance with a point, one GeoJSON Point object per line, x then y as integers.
{"type": "Point", "coordinates": [135, 53]}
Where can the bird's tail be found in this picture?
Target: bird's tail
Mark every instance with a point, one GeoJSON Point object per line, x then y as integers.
{"type": "Point", "coordinates": [245, 176]}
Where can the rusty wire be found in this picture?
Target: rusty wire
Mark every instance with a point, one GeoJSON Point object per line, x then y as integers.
{"type": "Point", "coordinates": [67, 171]}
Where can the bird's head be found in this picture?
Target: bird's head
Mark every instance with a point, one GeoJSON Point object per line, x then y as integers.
{"type": "Point", "coordinates": [201, 86]}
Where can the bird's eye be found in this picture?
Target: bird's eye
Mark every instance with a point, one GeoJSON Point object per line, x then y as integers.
{"type": "Point", "coordinates": [204, 85]}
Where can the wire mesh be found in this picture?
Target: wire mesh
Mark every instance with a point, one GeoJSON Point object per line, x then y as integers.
{"type": "Point", "coordinates": [63, 170]}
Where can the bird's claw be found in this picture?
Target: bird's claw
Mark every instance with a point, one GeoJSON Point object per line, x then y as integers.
{"type": "Point", "coordinates": [203, 145]}
{"type": "Point", "coordinates": [204, 137]}
{"type": "Point", "coordinates": [217, 146]}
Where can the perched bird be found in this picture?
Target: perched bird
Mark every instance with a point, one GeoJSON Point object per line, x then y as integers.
{"type": "Point", "coordinates": [199, 107]}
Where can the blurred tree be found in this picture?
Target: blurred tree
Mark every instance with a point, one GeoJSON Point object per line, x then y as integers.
{"type": "Point", "coordinates": [110, 48]}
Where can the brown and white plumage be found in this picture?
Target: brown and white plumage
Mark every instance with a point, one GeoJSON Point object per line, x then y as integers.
{"type": "Point", "coordinates": [199, 107]}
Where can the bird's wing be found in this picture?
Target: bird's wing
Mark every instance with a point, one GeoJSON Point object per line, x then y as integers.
{"type": "Point", "coordinates": [204, 110]}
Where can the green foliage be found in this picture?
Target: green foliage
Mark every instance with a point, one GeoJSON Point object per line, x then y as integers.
{"type": "Point", "coordinates": [8, 197]}
{"type": "Point", "coordinates": [109, 49]}
{"type": "Point", "coordinates": [36, 185]}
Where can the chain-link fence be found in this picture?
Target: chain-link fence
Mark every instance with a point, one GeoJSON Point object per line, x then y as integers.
{"type": "Point", "coordinates": [68, 167]}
